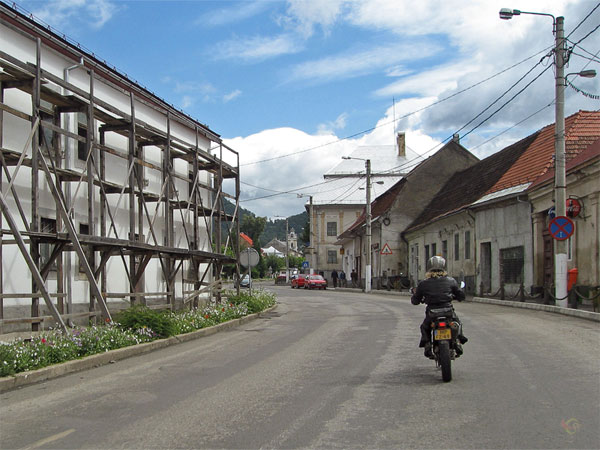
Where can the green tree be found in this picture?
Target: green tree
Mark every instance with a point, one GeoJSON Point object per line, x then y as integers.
{"type": "Point", "coordinates": [253, 227]}
{"type": "Point", "coordinates": [295, 261]}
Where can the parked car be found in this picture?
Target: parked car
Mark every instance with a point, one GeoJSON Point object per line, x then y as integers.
{"type": "Point", "coordinates": [246, 282]}
{"type": "Point", "coordinates": [315, 282]}
{"type": "Point", "coordinates": [299, 281]}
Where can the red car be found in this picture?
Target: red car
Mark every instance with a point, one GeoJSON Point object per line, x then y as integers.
{"type": "Point", "coordinates": [315, 282]}
{"type": "Point", "coordinates": [299, 281]}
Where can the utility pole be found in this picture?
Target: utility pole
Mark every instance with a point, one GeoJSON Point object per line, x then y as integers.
{"type": "Point", "coordinates": [368, 255]}
{"type": "Point", "coordinates": [560, 180]}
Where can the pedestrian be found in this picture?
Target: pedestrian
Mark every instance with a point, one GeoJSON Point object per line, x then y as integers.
{"type": "Point", "coordinates": [354, 278]}
{"type": "Point", "coordinates": [342, 279]}
{"type": "Point", "coordinates": [334, 277]}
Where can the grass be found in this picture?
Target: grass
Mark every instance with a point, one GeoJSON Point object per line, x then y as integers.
{"type": "Point", "coordinates": [133, 326]}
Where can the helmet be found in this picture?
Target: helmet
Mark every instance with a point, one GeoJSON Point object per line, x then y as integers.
{"type": "Point", "coordinates": [436, 263]}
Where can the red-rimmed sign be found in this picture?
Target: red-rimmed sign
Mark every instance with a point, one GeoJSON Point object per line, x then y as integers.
{"type": "Point", "coordinates": [561, 228]}
{"type": "Point", "coordinates": [386, 250]}
{"type": "Point", "coordinates": [573, 207]}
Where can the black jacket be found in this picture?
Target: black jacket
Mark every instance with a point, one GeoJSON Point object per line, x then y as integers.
{"type": "Point", "coordinates": [437, 292]}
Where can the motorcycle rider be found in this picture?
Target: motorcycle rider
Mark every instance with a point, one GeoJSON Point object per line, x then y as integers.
{"type": "Point", "coordinates": [437, 291]}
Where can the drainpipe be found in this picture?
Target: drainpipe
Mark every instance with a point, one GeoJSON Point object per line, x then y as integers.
{"type": "Point", "coordinates": [69, 126]}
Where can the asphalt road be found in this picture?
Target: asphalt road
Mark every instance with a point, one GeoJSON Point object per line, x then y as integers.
{"type": "Point", "coordinates": [331, 370]}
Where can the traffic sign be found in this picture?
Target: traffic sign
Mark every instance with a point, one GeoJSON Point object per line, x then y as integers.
{"type": "Point", "coordinates": [573, 207]}
{"type": "Point", "coordinates": [561, 228]}
{"type": "Point", "coordinates": [386, 250]}
{"type": "Point", "coordinates": [249, 257]}
{"type": "Point", "coordinates": [305, 265]}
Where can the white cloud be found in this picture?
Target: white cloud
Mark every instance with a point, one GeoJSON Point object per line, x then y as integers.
{"type": "Point", "coordinates": [305, 15]}
{"type": "Point", "coordinates": [338, 124]}
{"type": "Point", "coordinates": [257, 48]}
{"type": "Point", "coordinates": [431, 82]}
{"type": "Point", "coordinates": [232, 95]}
{"type": "Point", "coordinates": [357, 62]}
{"type": "Point", "coordinates": [64, 13]}
{"type": "Point", "coordinates": [186, 101]}
{"type": "Point", "coordinates": [226, 16]}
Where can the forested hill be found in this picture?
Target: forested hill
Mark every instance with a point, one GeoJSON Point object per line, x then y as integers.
{"type": "Point", "coordinates": [276, 228]}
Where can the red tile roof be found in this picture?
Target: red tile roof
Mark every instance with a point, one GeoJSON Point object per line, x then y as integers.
{"type": "Point", "coordinates": [247, 238]}
{"type": "Point", "coordinates": [522, 162]}
{"type": "Point", "coordinates": [581, 130]}
{"type": "Point", "coordinates": [591, 152]}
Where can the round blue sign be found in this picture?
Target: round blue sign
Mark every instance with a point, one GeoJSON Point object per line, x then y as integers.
{"type": "Point", "coordinates": [561, 228]}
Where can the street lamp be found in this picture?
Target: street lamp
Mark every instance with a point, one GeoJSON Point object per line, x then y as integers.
{"type": "Point", "coordinates": [368, 208]}
{"type": "Point", "coordinates": [560, 179]}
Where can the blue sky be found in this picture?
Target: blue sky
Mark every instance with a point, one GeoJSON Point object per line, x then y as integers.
{"type": "Point", "coordinates": [277, 78]}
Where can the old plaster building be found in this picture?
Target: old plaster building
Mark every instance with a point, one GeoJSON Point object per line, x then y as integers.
{"type": "Point", "coordinates": [343, 198]}
{"type": "Point", "coordinates": [109, 195]}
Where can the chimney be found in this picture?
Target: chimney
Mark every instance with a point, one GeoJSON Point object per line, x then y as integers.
{"type": "Point", "coordinates": [456, 138]}
{"type": "Point", "coordinates": [401, 142]}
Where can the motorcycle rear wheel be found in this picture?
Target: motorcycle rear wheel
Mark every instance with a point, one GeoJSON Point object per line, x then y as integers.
{"type": "Point", "coordinates": [445, 363]}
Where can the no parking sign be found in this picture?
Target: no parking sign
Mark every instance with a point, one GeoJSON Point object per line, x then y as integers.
{"type": "Point", "coordinates": [561, 228]}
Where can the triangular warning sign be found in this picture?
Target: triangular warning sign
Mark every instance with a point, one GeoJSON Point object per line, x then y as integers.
{"type": "Point", "coordinates": [386, 250]}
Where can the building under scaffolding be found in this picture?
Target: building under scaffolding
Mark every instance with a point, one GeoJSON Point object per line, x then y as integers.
{"type": "Point", "coordinates": [109, 194]}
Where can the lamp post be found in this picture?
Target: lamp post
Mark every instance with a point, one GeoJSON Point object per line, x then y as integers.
{"type": "Point", "coordinates": [560, 178]}
{"type": "Point", "coordinates": [368, 222]}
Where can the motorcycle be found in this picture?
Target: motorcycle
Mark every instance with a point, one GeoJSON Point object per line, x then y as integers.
{"type": "Point", "coordinates": [444, 334]}
{"type": "Point", "coordinates": [445, 329]}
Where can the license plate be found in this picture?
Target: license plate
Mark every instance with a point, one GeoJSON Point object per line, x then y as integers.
{"type": "Point", "coordinates": [442, 334]}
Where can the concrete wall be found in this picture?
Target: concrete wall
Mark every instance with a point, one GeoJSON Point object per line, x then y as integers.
{"type": "Point", "coordinates": [585, 242]}
{"type": "Point", "coordinates": [436, 233]}
{"type": "Point", "coordinates": [505, 225]}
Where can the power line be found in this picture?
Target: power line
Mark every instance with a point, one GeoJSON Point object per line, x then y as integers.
{"type": "Point", "coordinates": [399, 118]}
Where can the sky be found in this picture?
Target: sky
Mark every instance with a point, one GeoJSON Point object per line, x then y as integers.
{"type": "Point", "coordinates": [294, 85]}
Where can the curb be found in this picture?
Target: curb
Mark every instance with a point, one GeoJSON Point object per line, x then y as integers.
{"type": "Point", "coordinates": [579, 313]}
{"type": "Point", "coordinates": [588, 315]}
{"type": "Point", "coordinates": [57, 370]}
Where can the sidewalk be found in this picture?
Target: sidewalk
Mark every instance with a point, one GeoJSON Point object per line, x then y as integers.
{"type": "Point", "coordinates": [584, 313]}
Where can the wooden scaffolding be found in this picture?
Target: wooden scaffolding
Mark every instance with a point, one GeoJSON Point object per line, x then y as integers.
{"type": "Point", "coordinates": [201, 213]}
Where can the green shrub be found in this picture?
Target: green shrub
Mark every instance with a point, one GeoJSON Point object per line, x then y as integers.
{"type": "Point", "coordinates": [142, 317]}
{"type": "Point", "coordinates": [134, 326]}
{"type": "Point", "coordinates": [258, 301]}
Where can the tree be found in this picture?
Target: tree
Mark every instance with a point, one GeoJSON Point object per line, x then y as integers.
{"type": "Point", "coordinates": [253, 227]}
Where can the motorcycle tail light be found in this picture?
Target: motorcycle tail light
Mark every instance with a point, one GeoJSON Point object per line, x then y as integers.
{"type": "Point", "coordinates": [442, 324]}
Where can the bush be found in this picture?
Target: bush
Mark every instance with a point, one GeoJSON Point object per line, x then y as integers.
{"type": "Point", "coordinates": [258, 301]}
{"type": "Point", "coordinates": [135, 325]}
{"type": "Point", "coordinates": [141, 317]}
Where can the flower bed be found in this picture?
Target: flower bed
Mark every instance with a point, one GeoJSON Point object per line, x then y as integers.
{"type": "Point", "coordinates": [132, 326]}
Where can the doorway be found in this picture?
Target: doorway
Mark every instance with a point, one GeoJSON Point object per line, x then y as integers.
{"type": "Point", "coordinates": [486, 266]}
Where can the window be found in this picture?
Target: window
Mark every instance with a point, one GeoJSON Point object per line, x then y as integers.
{"type": "Point", "coordinates": [468, 244]}
{"type": "Point", "coordinates": [331, 257]}
{"type": "Point", "coordinates": [82, 132]}
{"type": "Point", "coordinates": [47, 226]}
{"type": "Point", "coordinates": [81, 150]}
{"type": "Point", "coordinates": [433, 249]}
{"type": "Point", "coordinates": [331, 228]}
{"type": "Point", "coordinates": [445, 249]}
{"type": "Point", "coordinates": [456, 247]}
{"type": "Point", "coordinates": [426, 253]}
{"type": "Point", "coordinates": [511, 265]}
{"type": "Point", "coordinates": [84, 228]}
